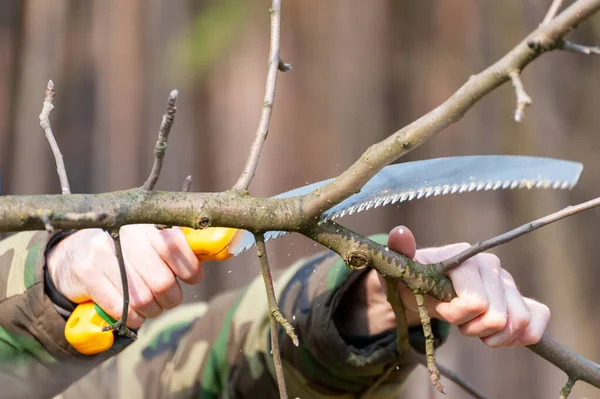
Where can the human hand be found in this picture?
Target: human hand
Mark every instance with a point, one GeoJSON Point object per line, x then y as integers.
{"type": "Point", "coordinates": [84, 267]}
{"type": "Point", "coordinates": [488, 304]}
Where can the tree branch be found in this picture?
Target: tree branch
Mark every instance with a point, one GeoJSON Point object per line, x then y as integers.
{"type": "Point", "coordinates": [121, 325]}
{"type": "Point", "coordinates": [552, 11]}
{"type": "Point", "coordinates": [578, 48]}
{"type": "Point", "coordinates": [523, 99]}
{"type": "Point", "coordinates": [161, 143]}
{"type": "Point", "coordinates": [267, 107]}
{"type": "Point", "coordinates": [545, 38]}
{"type": "Point", "coordinates": [47, 108]}
{"type": "Point", "coordinates": [274, 311]}
{"type": "Point", "coordinates": [482, 246]}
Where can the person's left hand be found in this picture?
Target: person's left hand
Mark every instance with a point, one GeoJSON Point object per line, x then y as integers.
{"type": "Point", "coordinates": [488, 304]}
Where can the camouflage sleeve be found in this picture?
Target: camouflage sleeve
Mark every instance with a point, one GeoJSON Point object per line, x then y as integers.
{"type": "Point", "coordinates": [32, 343]}
{"type": "Point", "coordinates": [222, 349]}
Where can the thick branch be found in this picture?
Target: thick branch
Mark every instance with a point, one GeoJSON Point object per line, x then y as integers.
{"type": "Point", "coordinates": [196, 210]}
{"type": "Point", "coordinates": [546, 37]}
{"type": "Point", "coordinates": [47, 108]}
{"type": "Point", "coordinates": [267, 107]}
{"type": "Point", "coordinates": [414, 274]}
{"type": "Point", "coordinates": [161, 143]}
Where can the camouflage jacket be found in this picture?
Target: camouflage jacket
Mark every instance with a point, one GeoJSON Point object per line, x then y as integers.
{"type": "Point", "coordinates": [218, 349]}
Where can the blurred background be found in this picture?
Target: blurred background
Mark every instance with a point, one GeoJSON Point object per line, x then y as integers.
{"type": "Point", "coordinates": [361, 70]}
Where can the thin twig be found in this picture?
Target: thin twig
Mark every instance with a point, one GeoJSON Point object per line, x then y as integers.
{"type": "Point", "coordinates": [121, 325]}
{"type": "Point", "coordinates": [452, 376]}
{"type": "Point", "coordinates": [579, 48]}
{"type": "Point", "coordinates": [434, 372]}
{"type": "Point", "coordinates": [47, 108]}
{"type": "Point", "coordinates": [481, 246]}
{"type": "Point", "coordinates": [161, 143]}
{"type": "Point", "coordinates": [552, 11]}
{"type": "Point", "coordinates": [523, 99]}
{"type": "Point", "coordinates": [267, 107]}
{"type": "Point", "coordinates": [187, 184]}
{"type": "Point", "coordinates": [265, 270]}
{"type": "Point", "coordinates": [566, 390]}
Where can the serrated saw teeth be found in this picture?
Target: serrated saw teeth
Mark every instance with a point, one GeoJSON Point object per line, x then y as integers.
{"type": "Point", "coordinates": [433, 177]}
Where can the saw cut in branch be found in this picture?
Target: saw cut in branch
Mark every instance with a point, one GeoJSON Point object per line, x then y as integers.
{"type": "Point", "coordinates": [267, 107]}
{"type": "Point", "coordinates": [161, 143]}
{"type": "Point", "coordinates": [47, 108]}
{"type": "Point", "coordinates": [547, 37]}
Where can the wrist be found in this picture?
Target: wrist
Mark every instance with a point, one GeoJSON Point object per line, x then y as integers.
{"type": "Point", "coordinates": [54, 258]}
{"type": "Point", "coordinates": [364, 309]}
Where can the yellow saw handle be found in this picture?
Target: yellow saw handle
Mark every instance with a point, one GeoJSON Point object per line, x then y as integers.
{"type": "Point", "coordinates": [84, 329]}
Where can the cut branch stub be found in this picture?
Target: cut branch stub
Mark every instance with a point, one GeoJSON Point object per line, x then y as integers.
{"type": "Point", "coordinates": [357, 259]}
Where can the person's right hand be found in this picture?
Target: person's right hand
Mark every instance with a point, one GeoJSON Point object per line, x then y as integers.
{"type": "Point", "coordinates": [84, 267]}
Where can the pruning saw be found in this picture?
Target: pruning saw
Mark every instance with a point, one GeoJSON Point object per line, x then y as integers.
{"type": "Point", "coordinates": [393, 184]}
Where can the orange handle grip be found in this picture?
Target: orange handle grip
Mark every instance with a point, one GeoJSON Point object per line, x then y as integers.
{"type": "Point", "coordinates": [84, 329]}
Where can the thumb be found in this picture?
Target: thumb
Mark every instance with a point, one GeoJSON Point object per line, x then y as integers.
{"type": "Point", "coordinates": [402, 240]}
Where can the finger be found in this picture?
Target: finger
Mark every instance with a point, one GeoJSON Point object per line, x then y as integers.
{"type": "Point", "coordinates": [540, 316]}
{"type": "Point", "coordinates": [496, 316]}
{"type": "Point", "coordinates": [164, 290]}
{"type": "Point", "coordinates": [110, 299]}
{"type": "Point", "coordinates": [175, 251]}
{"type": "Point", "coordinates": [402, 240]}
{"type": "Point", "coordinates": [471, 300]}
{"type": "Point", "coordinates": [519, 315]}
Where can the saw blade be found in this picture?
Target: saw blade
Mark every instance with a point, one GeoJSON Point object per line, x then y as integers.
{"type": "Point", "coordinates": [421, 179]}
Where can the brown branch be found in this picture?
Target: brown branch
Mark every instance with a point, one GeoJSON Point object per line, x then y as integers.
{"type": "Point", "coordinates": [482, 246]}
{"type": "Point", "coordinates": [430, 280]}
{"type": "Point", "coordinates": [434, 372]}
{"type": "Point", "coordinates": [265, 270]}
{"type": "Point", "coordinates": [547, 37]}
{"type": "Point", "coordinates": [47, 108]}
{"type": "Point", "coordinates": [578, 48]}
{"type": "Point", "coordinates": [523, 99]}
{"type": "Point", "coordinates": [267, 107]}
{"type": "Point", "coordinates": [566, 390]}
{"type": "Point", "coordinates": [552, 11]}
{"type": "Point", "coordinates": [161, 143]}
{"type": "Point", "coordinates": [451, 375]}
{"type": "Point", "coordinates": [121, 325]}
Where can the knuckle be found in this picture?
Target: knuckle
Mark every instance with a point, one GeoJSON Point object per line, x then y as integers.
{"type": "Point", "coordinates": [495, 321]}
{"type": "Point", "coordinates": [164, 285]}
{"type": "Point", "coordinates": [478, 305]}
{"type": "Point", "coordinates": [520, 322]}
{"type": "Point", "coordinates": [141, 300]}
